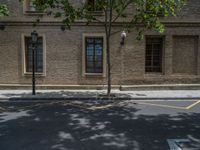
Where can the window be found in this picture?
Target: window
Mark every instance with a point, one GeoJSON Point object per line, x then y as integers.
{"type": "Point", "coordinates": [38, 55]}
{"type": "Point", "coordinates": [154, 46]}
{"type": "Point", "coordinates": [92, 5]}
{"type": "Point", "coordinates": [94, 56]}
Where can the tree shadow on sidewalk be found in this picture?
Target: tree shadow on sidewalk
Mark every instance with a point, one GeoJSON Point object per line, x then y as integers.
{"type": "Point", "coordinates": [62, 95]}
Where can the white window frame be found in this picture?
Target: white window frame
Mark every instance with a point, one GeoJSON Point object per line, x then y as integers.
{"type": "Point", "coordinates": [84, 36]}
{"type": "Point", "coordinates": [24, 72]}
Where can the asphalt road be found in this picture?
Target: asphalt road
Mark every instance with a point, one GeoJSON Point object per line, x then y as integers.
{"type": "Point", "coordinates": [100, 125]}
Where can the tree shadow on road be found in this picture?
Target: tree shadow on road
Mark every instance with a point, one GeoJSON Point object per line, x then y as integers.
{"type": "Point", "coordinates": [59, 127]}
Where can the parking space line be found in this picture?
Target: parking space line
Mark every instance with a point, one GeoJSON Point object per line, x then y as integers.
{"type": "Point", "coordinates": [192, 105]}
{"type": "Point", "coordinates": [91, 108]}
{"type": "Point", "coordinates": [101, 107]}
{"type": "Point", "coordinates": [169, 106]}
{"type": "Point", "coordinates": [77, 105]}
{"type": "Point", "coordinates": [109, 105]}
{"type": "Point", "coordinates": [160, 105]}
{"type": "Point", "coordinates": [2, 109]}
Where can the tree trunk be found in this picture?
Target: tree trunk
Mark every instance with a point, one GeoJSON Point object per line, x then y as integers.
{"type": "Point", "coordinates": [108, 65]}
{"type": "Point", "coordinates": [108, 27]}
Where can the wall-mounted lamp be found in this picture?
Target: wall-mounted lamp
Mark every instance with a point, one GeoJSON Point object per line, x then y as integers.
{"type": "Point", "coordinates": [2, 27]}
{"type": "Point", "coordinates": [123, 36]}
{"type": "Point", "coordinates": [34, 37]}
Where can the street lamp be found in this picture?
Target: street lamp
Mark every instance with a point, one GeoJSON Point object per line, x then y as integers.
{"type": "Point", "coordinates": [34, 39]}
{"type": "Point", "coordinates": [123, 36]}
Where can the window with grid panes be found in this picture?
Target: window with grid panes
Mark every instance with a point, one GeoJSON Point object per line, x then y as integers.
{"type": "Point", "coordinates": [38, 55]}
{"type": "Point", "coordinates": [153, 61]}
{"type": "Point", "coordinates": [92, 5]}
{"type": "Point", "coordinates": [94, 55]}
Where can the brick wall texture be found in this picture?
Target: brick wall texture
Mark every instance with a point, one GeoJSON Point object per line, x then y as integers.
{"type": "Point", "coordinates": [181, 50]}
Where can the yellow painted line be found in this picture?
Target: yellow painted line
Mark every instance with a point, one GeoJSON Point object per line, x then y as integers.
{"type": "Point", "coordinates": [192, 105]}
{"type": "Point", "coordinates": [77, 105]}
{"type": "Point", "coordinates": [165, 106]}
{"type": "Point", "coordinates": [101, 107]}
{"type": "Point", "coordinates": [104, 106]}
{"type": "Point", "coordinates": [89, 107]}
{"type": "Point", "coordinates": [2, 109]}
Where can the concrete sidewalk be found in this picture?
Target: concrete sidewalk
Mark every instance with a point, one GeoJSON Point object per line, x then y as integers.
{"type": "Point", "coordinates": [9, 95]}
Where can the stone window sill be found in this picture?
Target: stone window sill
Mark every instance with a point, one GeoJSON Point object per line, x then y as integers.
{"type": "Point", "coordinates": [36, 74]}
{"type": "Point", "coordinates": [153, 74]}
{"type": "Point", "coordinates": [94, 75]}
{"type": "Point", "coordinates": [34, 13]}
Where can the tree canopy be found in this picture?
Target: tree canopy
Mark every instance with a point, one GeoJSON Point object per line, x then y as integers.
{"type": "Point", "coordinates": [147, 12]}
{"type": "Point", "coordinates": [3, 10]}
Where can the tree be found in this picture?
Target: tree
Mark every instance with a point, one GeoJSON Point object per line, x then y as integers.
{"type": "Point", "coordinates": [146, 17]}
{"type": "Point", "coordinates": [3, 10]}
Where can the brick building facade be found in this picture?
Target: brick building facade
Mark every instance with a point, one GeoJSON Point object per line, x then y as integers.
{"type": "Point", "coordinates": [171, 57]}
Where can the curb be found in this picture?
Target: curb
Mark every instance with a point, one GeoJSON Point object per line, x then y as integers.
{"type": "Point", "coordinates": [93, 98]}
{"type": "Point", "coordinates": [137, 87]}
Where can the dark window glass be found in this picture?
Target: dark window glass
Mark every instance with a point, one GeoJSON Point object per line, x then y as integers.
{"type": "Point", "coordinates": [38, 55]}
{"type": "Point", "coordinates": [93, 5]}
{"type": "Point", "coordinates": [153, 61]}
{"type": "Point", "coordinates": [94, 55]}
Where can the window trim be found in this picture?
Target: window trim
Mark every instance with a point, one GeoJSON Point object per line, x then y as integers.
{"type": "Point", "coordinates": [24, 72]}
{"type": "Point", "coordinates": [95, 35]}
{"type": "Point", "coordinates": [162, 55]}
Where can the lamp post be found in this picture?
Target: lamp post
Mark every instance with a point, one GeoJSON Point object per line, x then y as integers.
{"type": "Point", "coordinates": [34, 38]}
{"type": "Point", "coordinates": [123, 36]}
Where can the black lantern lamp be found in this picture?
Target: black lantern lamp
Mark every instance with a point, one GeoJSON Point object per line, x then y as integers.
{"type": "Point", "coordinates": [123, 36]}
{"type": "Point", "coordinates": [34, 39]}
